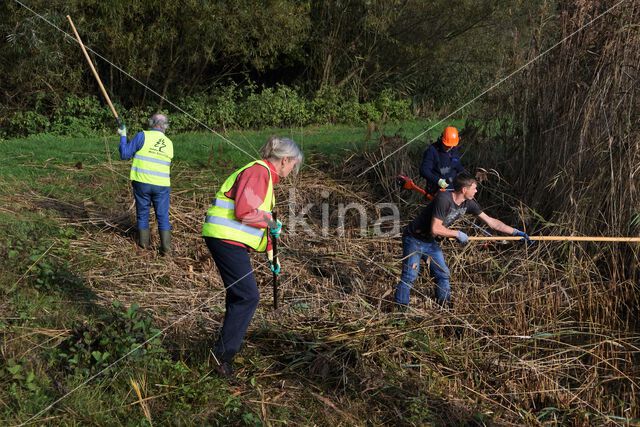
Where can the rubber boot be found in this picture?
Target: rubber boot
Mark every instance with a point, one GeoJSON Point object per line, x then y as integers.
{"type": "Point", "coordinates": [144, 237]}
{"type": "Point", "coordinates": [165, 242]}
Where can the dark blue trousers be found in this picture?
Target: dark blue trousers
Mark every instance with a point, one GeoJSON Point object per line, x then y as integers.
{"type": "Point", "coordinates": [242, 295]}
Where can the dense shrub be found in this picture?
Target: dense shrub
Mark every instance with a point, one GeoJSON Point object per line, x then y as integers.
{"type": "Point", "coordinates": [326, 105]}
{"type": "Point", "coordinates": [225, 101]}
{"type": "Point", "coordinates": [278, 107]}
{"type": "Point", "coordinates": [367, 112]}
{"type": "Point", "coordinates": [349, 111]}
{"type": "Point", "coordinates": [23, 123]}
{"type": "Point", "coordinates": [229, 106]}
{"type": "Point", "coordinates": [137, 117]}
{"type": "Point", "coordinates": [392, 107]}
{"type": "Point", "coordinates": [80, 116]}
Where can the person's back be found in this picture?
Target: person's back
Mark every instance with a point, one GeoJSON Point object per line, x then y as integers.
{"type": "Point", "coordinates": [150, 175]}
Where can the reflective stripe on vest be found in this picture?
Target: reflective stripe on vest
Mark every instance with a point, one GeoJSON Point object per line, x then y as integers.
{"type": "Point", "coordinates": [152, 163]}
{"type": "Point", "coordinates": [221, 222]}
{"type": "Point", "coordinates": [224, 204]}
{"type": "Point", "coordinates": [230, 204]}
{"type": "Point", "coordinates": [232, 223]}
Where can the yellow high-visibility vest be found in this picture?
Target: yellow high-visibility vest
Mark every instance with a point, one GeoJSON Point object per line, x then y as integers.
{"type": "Point", "coordinates": [152, 163]}
{"type": "Point", "coordinates": [221, 223]}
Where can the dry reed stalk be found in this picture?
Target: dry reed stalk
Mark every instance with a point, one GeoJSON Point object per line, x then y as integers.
{"type": "Point", "coordinates": [138, 387]}
{"type": "Point", "coordinates": [577, 163]}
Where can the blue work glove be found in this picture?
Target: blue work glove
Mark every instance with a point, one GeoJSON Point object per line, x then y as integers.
{"type": "Point", "coordinates": [122, 129]}
{"type": "Point", "coordinates": [276, 229]}
{"type": "Point", "coordinates": [462, 238]}
{"type": "Point", "coordinates": [525, 236]}
{"type": "Point", "coordinates": [274, 267]}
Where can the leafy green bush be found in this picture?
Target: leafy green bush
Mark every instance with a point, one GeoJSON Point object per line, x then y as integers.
{"type": "Point", "coordinates": [227, 106]}
{"type": "Point", "coordinates": [225, 102]}
{"type": "Point", "coordinates": [24, 123]}
{"type": "Point", "coordinates": [274, 108]}
{"type": "Point", "coordinates": [393, 108]}
{"type": "Point", "coordinates": [349, 112]}
{"type": "Point", "coordinates": [217, 110]}
{"type": "Point", "coordinates": [178, 122]}
{"type": "Point", "coordinates": [292, 108]}
{"type": "Point", "coordinates": [367, 112]}
{"type": "Point", "coordinates": [94, 346]}
{"type": "Point", "coordinates": [137, 118]}
{"type": "Point", "coordinates": [326, 105]}
{"type": "Point", "coordinates": [81, 116]}
{"type": "Point", "coordinates": [199, 109]}
{"type": "Point", "coordinates": [353, 112]}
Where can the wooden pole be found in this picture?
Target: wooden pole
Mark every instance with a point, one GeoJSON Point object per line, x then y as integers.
{"type": "Point", "coordinates": [95, 73]}
{"type": "Point", "coordinates": [274, 244]}
{"type": "Point", "coordinates": [560, 238]}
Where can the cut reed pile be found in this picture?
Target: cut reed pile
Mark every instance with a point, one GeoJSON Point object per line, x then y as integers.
{"type": "Point", "coordinates": [536, 334]}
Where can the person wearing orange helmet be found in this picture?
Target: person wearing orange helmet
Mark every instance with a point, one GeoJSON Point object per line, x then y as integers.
{"type": "Point", "coordinates": [441, 161]}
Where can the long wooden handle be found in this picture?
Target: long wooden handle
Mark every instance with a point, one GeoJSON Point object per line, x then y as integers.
{"type": "Point", "coordinates": [95, 73]}
{"type": "Point", "coordinates": [561, 238]}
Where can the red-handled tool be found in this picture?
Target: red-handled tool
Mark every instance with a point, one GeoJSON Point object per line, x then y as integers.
{"type": "Point", "coordinates": [407, 183]}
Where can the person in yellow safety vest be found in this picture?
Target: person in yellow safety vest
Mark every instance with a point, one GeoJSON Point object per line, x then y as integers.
{"type": "Point", "coordinates": [238, 221]}
{"type": "Point", "coordinates": [152, 152]}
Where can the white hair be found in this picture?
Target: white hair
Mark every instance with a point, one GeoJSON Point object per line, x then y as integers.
{"type": "Point", "coordinates": [278, 148]}
{"type": "Point", "coordinates": [159, 121]}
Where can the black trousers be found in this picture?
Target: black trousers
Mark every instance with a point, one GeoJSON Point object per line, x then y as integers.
{"type": "Point", "coordinates": [242, 295]}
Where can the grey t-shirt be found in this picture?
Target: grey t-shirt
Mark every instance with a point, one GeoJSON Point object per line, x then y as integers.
{"type": "Point", "coordinates": [442, 207]}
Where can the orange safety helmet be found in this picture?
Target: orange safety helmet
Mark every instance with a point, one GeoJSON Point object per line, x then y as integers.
{"type": "Point", "coordinates": [450, 136]}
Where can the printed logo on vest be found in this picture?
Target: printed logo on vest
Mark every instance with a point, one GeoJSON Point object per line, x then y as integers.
{"type": "Point", "coordinates": [160, 145]}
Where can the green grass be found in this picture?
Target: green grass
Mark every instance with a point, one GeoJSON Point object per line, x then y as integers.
{"type": "Point", "coordinates": [32, 157]}
{"type": "Point", "coordinates": [330, 140]}
{"type": "Point", "coordinates": [71, 169]}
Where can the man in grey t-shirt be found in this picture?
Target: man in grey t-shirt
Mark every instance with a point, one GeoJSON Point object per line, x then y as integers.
{"type": "Point", "coordinates": [420, 238]}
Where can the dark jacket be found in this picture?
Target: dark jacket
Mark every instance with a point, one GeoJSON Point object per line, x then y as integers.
{"type": "Point", "coordinates": [438, 163]}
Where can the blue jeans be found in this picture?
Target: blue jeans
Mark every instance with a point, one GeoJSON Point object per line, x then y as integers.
{"type": "Point", "coordinates": [146, 195]}
{"type": "Point", "coordinates": [413, 251]}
